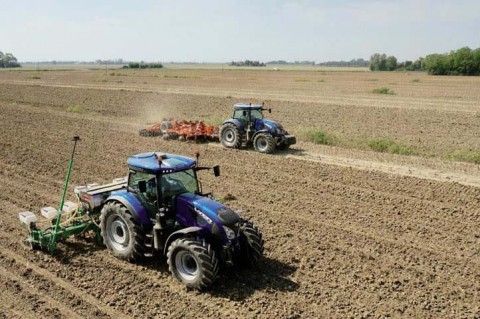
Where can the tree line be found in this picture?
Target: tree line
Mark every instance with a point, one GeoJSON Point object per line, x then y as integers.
{"type": "Point", "coordinates": [7, 60]}
{"type": "Point", "coordinates": [247, 63]}
{"type": "Point", "coordinates": [143, 65]}
{"type": "Point", "coordinates": [351, 63]}
{"type": "Point", "coordinates": [464, 61]}
{"type": "Point", "coordinates": [382, 62]}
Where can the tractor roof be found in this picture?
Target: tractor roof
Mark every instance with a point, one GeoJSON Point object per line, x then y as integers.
{"type": "Point", "coordinates": [247, 106]}
{"type": "Point", "coordinates": [149, 162]}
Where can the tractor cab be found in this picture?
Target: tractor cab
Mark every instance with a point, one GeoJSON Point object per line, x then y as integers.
{"type": "Point", "coordinates": [157, 179]}
{"type": "Point", "coordinates": [248, 114]}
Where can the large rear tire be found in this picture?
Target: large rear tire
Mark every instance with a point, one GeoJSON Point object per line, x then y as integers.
{"type": "Point", "coordinates": [122, 235]}
{"type": "Point", "coordinates": [193, 262]}
{"type": "Point", "coordinates": [251, 244]}
{"type": "Point", "coordinates": [264, 143]}
{"type": "Point", "coordinates": [230, 136]}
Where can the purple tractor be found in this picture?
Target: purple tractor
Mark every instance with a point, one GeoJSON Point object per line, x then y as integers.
{"type": "Point", "coordinates": [160, 208]}
{"type": "Point", "coordinates": [247, 127]}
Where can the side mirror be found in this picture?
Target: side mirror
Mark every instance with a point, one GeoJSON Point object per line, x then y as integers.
{"type": "Point", "coordinates": [269, 110]}
{"type": "Point", "coordinates": [142, 186]}
{"type": "Point", "coordinates": [216, 170]}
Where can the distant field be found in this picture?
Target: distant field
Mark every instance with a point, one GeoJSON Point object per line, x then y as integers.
{"type": "Point", "coordinates": [191, 66]}
{"type": "Point", "coordinates": [350, 229]}
{"type": "Point", "coordinates": [435, 116]}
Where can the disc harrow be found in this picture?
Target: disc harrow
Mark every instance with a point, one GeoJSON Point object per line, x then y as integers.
{"type": "Point", "coordinates": [183, 130]}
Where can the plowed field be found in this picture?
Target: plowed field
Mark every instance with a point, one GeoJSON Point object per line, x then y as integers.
{"type": "Point", "coordinates": [341, 241]}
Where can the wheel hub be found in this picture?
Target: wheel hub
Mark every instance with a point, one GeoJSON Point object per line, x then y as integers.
{"type": "Point", "coordinates": [262, 144]}
{"type": "Point", "coordinates": [186, 265]}
{"type": "Point", "coordinates": [229, 136]}
{"type": "Point", "coordinates": [118, 234]}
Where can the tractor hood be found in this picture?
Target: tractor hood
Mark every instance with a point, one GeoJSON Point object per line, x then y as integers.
{"type": "Point", "coordinates": [272, 127]}
{"type": "Point", "coordinates": [213, 210]}
{"type": "Point", "coordinates": [271, 124]}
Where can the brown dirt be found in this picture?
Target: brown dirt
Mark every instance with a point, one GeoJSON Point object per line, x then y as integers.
{"type": "Point", "coordinates": [340, 242]}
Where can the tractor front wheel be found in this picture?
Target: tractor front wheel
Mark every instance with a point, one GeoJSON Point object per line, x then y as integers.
{"type": "Point", "coordinates": [193, 262]}
{"type": "Point", "coordinates": [121, 233]}
{"type": "Point", "coordinates": [230, 136]}
{"type": "Point", "coordinates": [264, 143]}
{"type": "Point", "coordinates": [251, 244]}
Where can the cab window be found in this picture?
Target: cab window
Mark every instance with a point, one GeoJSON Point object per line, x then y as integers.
{"type": "Point", "coordinates": [238, 114]}
{"type": "Point", "coordinates": [257, 114]}
{"type": "Point", "coordinates": [136, 177]}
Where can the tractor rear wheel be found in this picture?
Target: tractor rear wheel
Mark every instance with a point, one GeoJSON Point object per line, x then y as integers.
{"type": "Point", "coordinates": [122, 235]}
{"type": "Point", "coordinates": [193, 262]}
{"type": "Point", "coordinates": [230, 136]}
{"type": "Point", "coordinates": [264, 143]}
{"type": "Point", "coordinates": [251, 244]}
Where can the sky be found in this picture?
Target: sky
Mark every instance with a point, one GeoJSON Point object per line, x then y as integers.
{"type": "Point", "coordinates": [234, 30]}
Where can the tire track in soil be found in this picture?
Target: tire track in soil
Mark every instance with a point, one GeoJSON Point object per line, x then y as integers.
{"type": "Point", "coordinates": [11, 308]}
{"type": "Point", "coordinates": [31, 292]}
{"type": "Point", "coordinates": [360, 100]}
{"type": "Point", "coordinates": [361, 199]}
{"type": "Point", "coordinates": [56, 281]}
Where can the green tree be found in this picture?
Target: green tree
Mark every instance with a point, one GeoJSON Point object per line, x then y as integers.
{"type": "Point", "coordinates": [380, 62]}
{"type": "Point", "coordinates": [377, 62]}
{"type": "Point", "coordinates": [7, 60]}
{"type": "Point", "coordinates": [436, 64]}
{"type": "Point", "coordinates": [390, 63]}
{"type": "Point", "coordinates": [463, 62]}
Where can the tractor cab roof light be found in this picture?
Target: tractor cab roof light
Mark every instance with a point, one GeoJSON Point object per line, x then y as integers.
{"type": "Point", "coordinates": [159, 159]}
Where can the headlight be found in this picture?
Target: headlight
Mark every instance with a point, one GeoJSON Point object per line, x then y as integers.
{"type": "Point", "coordinates": [230, 233]}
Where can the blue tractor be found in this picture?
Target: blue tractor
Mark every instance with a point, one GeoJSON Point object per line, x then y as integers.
{"type": "Point", "coordinates": [247, 126]}
{"type": "Point", "coordinates": [161, 209]}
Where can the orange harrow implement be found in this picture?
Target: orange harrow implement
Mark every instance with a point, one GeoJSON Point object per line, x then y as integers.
{"type": "Point", "coordinates": [183, 130]}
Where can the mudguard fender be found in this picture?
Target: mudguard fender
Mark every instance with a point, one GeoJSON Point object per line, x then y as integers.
{"type": "Point", "coordinates": [235, 122]}
{"type": "Point", "coordinates": [261, 131]}
{"type": "Point", "coordinates": [133, 205]}
{"type": "Point", "coordinates": [179, 233]}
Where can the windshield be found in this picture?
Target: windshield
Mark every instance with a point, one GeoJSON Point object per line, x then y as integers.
{"type": "Point", "coordinates": [179, 182]}
{"type": "Point", "coordinates": [257, 114]}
